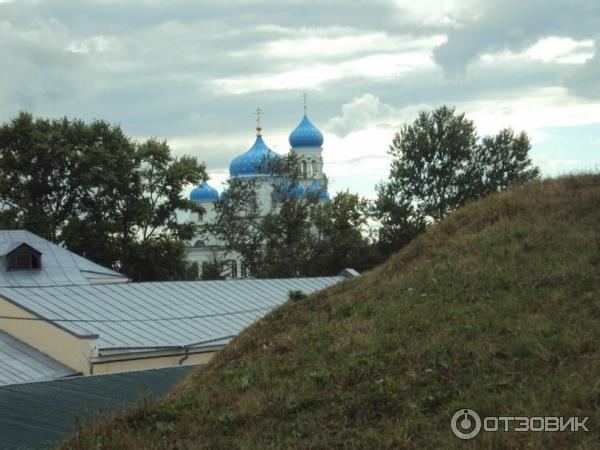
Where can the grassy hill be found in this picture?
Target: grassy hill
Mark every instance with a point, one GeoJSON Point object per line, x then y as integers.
{"type": "Point", "coordinates": [496, 309]}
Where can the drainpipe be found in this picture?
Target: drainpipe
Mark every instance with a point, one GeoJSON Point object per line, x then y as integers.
{"type": "Point", "coordinates": [186, 356]}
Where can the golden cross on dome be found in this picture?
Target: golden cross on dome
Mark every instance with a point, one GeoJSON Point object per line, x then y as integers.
{"type": "Point", "coordinates": [259, 113]}
{"type": "Point", "coordinates": [305, 97]}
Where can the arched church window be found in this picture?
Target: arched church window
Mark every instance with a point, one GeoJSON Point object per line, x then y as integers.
{"type": "Point", "coordinates": [304, 169]}
{"type": "Point", "coordinates": [233, 268]}
{"type": "Point", "coordinates": [244, 270]}
{"type": "Point", "coordinates": [313, 165]}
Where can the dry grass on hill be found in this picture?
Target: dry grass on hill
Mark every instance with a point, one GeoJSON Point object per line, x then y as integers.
{"type": "Point", "coordinates": [496, 309]}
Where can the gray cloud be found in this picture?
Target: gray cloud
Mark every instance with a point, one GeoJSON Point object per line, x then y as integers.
{"type": "Point", "coordinates": [515, 25]}
{"type": "Point", "coordinates": [158, 68]}
{"type": "Point", "coordinates": [585, 81]}
{"type": "Point", "coordinates": [360, 111]}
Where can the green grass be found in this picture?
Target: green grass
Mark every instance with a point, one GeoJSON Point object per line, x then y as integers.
{"type": "Point", "coordinates": [495, 309]}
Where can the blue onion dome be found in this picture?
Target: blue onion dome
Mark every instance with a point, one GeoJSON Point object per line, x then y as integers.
{"type": "Point", "coordinates": [290, 190]}
{"type": "Point", "coordinates": [306, 135]}
{"type": "Point", "coordinates": [252, 162]}
{"type": "Point", "coordinates": [298, 191]}
{"type": "Point", "coordinates": [204, 193]}
{"type": "Point", "coordinates": [324, 196]}
{"type": "Point", "coordinates": [316, 189]}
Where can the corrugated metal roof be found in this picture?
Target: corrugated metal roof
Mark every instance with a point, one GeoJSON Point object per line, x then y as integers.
{"type": "Point", "coordinates": [20, 363]}
{"type": "Point", "coordinates": [161, 314]}
{"type": "Point", "coordinates": [60, 267]}
{"type": "Point", "coordinates": [40, 415]}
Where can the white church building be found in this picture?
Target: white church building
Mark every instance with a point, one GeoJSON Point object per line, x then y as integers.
{"type": "Point", "coordinates": [306, 142]}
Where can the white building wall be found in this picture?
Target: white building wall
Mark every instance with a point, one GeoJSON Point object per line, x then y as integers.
{"type": "Point", "coordinates": [308, 156]}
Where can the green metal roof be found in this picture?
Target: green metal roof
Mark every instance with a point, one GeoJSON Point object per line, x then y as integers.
{"type": "Point", "coordinates": [40, 415]}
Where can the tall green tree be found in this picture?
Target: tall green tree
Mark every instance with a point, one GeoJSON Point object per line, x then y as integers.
{"type": "Point", "coordinates": [287, 229]}
{"type": "Point", "coordinates": [94, 190]}
{"type": "Point", "coordinates": [502, 160]}
{"type": "Point", "coordinates": [300, 236]}
{"type": "Point", "coordinates": [439, 163]}
{"type": "Point", "coordinates": [237, 222]}
{"type": "Point", "coordinates": [340, 236]}
{"type": "Point", "coordinates": [44, 170]}
{"type": "Point", "coordinates": [399, 220]}
{"type": "Point", "coordinates": [272, 243]}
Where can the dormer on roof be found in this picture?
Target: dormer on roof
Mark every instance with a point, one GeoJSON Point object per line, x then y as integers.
{"type": "Point", "coordinates": [23, 257]}
{"type": "Point", "coordinates": [59, 268]}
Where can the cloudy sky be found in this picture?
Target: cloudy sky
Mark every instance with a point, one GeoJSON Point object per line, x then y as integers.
{"type": "Point", "coordinates": [193, 72]}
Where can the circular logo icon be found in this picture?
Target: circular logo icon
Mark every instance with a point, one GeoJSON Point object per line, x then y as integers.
{"type": "Point", "coordinates": [465, 424]}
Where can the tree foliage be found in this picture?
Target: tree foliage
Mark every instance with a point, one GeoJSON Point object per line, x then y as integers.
{"type": "Point", "coordinates": [287, 228]}
{"type": "Point", "coordinates": [213, 269]}
{"type": "Point", "coordinates": [300, 236]}
{"type": "Point", "coordinates": [341, 237]}
{"type": "Point", "coordinates": [502, 160]}
{"type": "Point", "coordinates": [440, 163]}
{"type": "Point", "coordinates": [102, 195]}
{"type": "Point", "coordinates": [237, 222]}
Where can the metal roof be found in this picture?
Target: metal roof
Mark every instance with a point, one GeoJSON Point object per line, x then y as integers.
{"type": "Point", "coordinates": [20, 363]}
{"type": "Point", "coordinates": [40, 415]}
{"type": "Point", "coordinates": [8, 247]}
{"type": "Point", "coordinates": [161, 314]}
{"type": "Point", "coordinates": [60, 267]}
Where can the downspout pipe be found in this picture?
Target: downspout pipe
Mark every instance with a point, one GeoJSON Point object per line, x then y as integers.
{"type": "Point", "coordinates": [195, 344]}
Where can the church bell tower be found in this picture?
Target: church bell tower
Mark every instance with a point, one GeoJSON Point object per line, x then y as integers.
{"type": "Point", "coordinates": [306, 141]}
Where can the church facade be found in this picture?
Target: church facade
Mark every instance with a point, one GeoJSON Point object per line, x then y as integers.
{"type": "Point", "coordinates": [306, 142]}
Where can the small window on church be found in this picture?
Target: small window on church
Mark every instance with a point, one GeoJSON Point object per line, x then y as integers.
{"type": "Point", "coordinates": [233, 271]}
{"type": "Point", "coordinates": [314, 168]}
{"type": "Point", "coordinates": [244, 270]}
{"type": "Point", "coordinates": [23, 259]}
{"type": "Point", "coordinates": [304, 169]}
